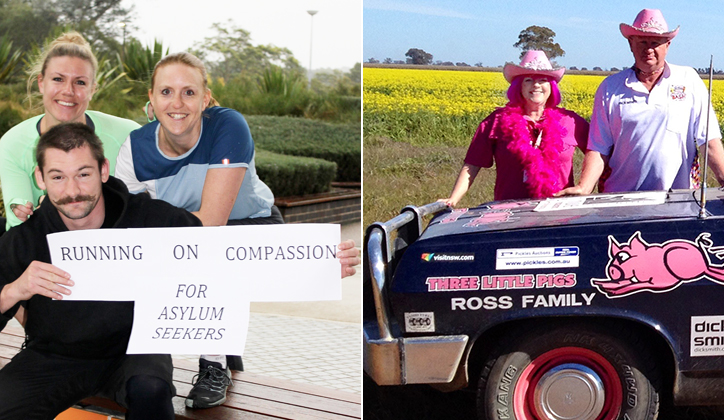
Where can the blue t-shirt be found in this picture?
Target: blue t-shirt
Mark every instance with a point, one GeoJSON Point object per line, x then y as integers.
{"type": "Point", "coordinates": [224, 142]}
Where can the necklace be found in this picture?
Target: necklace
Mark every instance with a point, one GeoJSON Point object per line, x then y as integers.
{"type": "Point", "coordinates": [538, 153]}
{"type": "Point", "coordinates": [648, 73]}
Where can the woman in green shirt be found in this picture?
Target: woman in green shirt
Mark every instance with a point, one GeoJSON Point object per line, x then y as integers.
{"type": "Point", "coordinates": [65, 73]}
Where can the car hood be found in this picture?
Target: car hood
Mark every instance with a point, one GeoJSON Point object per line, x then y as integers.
{"type": "Point", "coordinates": [592, 209]}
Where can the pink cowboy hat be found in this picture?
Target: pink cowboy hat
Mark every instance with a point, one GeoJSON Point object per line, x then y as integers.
{"type": "Point", "coordinates": [649, 22]}
{"type": "Point", "coordinates": [533, 62]}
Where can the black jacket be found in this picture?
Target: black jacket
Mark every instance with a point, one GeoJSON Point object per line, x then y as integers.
{"type": "Point", "coordinates": [83, 329]}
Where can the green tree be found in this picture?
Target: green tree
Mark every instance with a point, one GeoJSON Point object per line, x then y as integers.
{"type": "Point", "coordinates": [418, 56]}
{"type": "Point", "coordinates": [97, 20]}
{"type": "Point", "coordinates": [24, 24]}
{"type": "Point", "coordinates": [30, 22]}
{"type": "Point", "coordinates": [230, 54]}
{"type": "Point", "coordinates": [539, 38]}
{"type": "Point", "coordinates": [77, 11]}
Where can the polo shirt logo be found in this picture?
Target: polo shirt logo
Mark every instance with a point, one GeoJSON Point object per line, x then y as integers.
{"type": "Point", "coordinates": [677, 93]}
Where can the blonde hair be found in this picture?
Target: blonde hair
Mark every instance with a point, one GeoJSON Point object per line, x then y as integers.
{"type": "Point", "coordinates": [69, 44]}
{"type": "Point", "coordinates": [188, 60]}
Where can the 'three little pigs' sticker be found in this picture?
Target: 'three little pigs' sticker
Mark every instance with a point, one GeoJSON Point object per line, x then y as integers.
{"type": "Point", "coordinates": [500, 282]}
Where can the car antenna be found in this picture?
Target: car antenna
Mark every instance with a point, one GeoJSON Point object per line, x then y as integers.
{"type": "Point", "coordinates": [702, 210]}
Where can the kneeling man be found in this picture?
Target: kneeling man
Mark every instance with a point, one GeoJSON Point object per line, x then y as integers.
{"type": "Point", "coordinates": [74, 350]}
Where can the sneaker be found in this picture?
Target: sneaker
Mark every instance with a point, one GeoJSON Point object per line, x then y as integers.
{"type": "Point", "coordinates": [209, 385]}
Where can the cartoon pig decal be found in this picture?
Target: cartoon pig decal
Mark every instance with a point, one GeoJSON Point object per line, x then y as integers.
{"type": "Point", "coordinates": [490, 217]}
{"type": "Point", "coordinates": [638, 266]}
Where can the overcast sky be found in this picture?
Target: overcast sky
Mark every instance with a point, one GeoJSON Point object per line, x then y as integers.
{"type": "Point", "coordinates": [337, 30]}
{"type": "Point", "coordinates": [485, 30]}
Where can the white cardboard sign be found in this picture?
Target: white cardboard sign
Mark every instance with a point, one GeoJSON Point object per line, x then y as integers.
{"type": "Point", "coordinates": [177, 276]}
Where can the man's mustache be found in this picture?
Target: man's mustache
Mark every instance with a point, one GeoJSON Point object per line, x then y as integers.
{"type": "Point", "coordinates": [75, 199]}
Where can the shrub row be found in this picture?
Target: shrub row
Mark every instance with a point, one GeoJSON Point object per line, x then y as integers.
{"type": "Point", "coordinates": [323, 152]}
{"type": "Point", "coordinates": [294, 175]}
{"type": "Point", "coordinates": [339, 143]}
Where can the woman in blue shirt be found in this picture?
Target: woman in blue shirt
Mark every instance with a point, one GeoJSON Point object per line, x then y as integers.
{"type": "Point", "coordinates": [200, 156]}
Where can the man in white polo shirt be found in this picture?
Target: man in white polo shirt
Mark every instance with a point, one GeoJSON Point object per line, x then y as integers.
{"type": "Point", "coordinates": [649, 120]}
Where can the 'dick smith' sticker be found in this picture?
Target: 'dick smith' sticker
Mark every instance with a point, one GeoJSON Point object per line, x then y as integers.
{"type": "Point", "coordinates": [707, 336]}
{"type": "Point", "coordinates": [522, 258]}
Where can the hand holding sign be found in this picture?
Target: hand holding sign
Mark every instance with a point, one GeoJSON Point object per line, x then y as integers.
{"type": "Point", "coordinates": [348, 256]}
{"type": "Point", "coordinates": [38, 279]}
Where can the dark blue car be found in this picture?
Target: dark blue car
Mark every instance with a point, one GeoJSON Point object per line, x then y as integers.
{"type": "Point", "coordinates": [586, 308]}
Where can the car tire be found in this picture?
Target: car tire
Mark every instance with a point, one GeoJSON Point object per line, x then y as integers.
{"type": "Point", "coordinates": [571, 371]}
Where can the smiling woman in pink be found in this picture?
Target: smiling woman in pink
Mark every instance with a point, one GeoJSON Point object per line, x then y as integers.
{"type": "Point", "coordinates": [531, 140]}
{"type": "Point", "coordinates": [65, 74]}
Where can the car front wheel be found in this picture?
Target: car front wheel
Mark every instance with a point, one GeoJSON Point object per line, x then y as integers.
{"type": "Point", "coordinates": [571, 372]}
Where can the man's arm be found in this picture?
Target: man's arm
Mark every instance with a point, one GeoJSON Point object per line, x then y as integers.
{"type": "Point", "coordinates": [716, 158]}
{"type": "Point", "coordinates": [600, 140]}
{"type": "Point", "coordinates": [38, 279]}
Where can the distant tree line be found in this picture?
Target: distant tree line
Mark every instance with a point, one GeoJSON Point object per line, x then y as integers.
{"type": "Point", "coordinates": [706, 71]}
{"type": "Point", "coordinates": [420, 57]}
{"type": "Point", "coordinates": [531, 38]}
{"type": "Point", "coordinates": [388, 60]}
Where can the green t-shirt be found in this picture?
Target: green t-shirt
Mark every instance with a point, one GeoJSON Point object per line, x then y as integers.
{"type": "Point", "coordinates": [17, 157]}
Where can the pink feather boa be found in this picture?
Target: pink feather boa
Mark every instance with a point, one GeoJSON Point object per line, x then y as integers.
{"type": "Point", "coordinates": [541, 164]}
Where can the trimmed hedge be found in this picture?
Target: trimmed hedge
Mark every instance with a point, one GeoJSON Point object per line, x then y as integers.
{"type": "Point", "coordinates": [294, 175]}
{"type": "Point", "coordinates": [339, 143]}
{"type": "Point", "coordinates": [285, 175]}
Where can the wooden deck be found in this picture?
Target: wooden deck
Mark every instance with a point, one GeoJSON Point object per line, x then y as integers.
{"type": "Point", "coordinates": [253, 397]}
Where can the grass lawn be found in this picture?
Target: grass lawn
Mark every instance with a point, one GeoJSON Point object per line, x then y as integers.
{"type": "Point", "coordinates": [398, 174]}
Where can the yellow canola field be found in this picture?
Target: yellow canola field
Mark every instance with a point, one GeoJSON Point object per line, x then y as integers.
{"type": "Point", "coordinates": [451, 93]}
{"type": "Point", "coordinates": [471, 93]}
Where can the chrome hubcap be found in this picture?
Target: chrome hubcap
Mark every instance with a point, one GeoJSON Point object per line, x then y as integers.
{"type": "Point", "coordinates": [569, 392]}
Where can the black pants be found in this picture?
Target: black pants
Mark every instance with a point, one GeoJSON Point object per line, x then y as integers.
{"type": "Point", "coordinates": [38, 385]}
